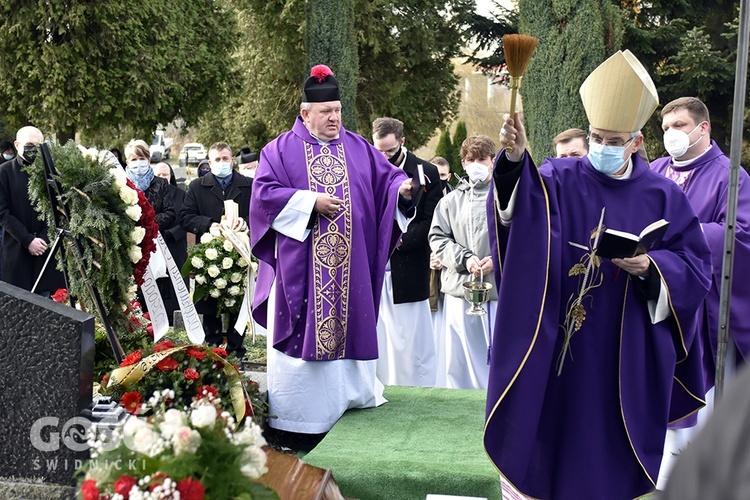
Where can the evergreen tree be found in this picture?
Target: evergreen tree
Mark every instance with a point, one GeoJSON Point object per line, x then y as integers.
{"type": "Point", "coordinates": [405, 67]}
{"type": "Point", "coordinates": [689, 49]}
{"type": "Point", "coordinates": [576, 36]}
{"type": "Point", "coordinates": [76, 65]}
{"type": "Point", "coordinates": [6, 132]}
{"type": "Point", "coordinates": [444, 147]}
{"type": "Point", "coordinates": [406, 51]}
{"type": "Point", "coordinates": [331, 40]}
{"type": "Point", "coordinates": [487, 35]}
{"type": "Point", "coordinates": [273, 67]}
{"type": "Point", "coordinates": [459, 136]}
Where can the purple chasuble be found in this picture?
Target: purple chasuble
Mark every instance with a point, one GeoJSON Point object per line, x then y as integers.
{"type": "Point", "coordinates": [327, 286]}
{"type": "Point", "coordinates": [705, 181]}
{"type": "Point", "coordinates": [597, 429]}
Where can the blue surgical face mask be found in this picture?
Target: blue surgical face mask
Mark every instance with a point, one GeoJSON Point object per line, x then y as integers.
{"type": "Point", "coordinates": [221, 169]}
{"type": "Point", "coordinates": [607, 159]}
{"type": "Point", "coordinates": [9, 156]}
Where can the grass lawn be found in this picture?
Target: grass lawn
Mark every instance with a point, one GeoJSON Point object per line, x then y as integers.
{"type": "Point", "coordinates": [256, 351]}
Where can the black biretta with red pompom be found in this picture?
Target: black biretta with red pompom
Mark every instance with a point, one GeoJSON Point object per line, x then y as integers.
{"type": "Point", "coordinates": [321, 86]}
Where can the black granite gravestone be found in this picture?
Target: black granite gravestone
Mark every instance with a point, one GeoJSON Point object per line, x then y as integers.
{"type": "Point", "coordinates": [46, 375]}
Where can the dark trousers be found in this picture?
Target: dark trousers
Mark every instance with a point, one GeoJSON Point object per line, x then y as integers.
{"type": "Point", "coordinates": [216, 334]}
{"type": "Point", "coordinates": [169, 296]}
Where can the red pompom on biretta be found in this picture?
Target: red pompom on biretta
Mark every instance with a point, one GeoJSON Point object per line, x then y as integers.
{"type": "Point", "coordinates": [321, 85]}
{"type": "Point", "coordinates": [320, 72]}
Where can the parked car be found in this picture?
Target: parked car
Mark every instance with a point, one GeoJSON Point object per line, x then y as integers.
{"type": "Point", "coordinates": [161, 147]}
{"type": "Point", "coordinates": [192, 153]}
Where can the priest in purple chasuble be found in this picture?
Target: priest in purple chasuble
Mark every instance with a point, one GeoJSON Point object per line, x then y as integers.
{"type": "Point", "coordinates": [701, 169]}
{"type": "Point", "coordinates": [591, 357]}
{"type": "Point", "coordinates": [325, 213]}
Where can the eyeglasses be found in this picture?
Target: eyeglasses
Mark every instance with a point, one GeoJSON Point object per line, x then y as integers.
{"type": "Point", "coordinates": [390, 152]}
{"type": "Point", "coordinates": [617, 143]}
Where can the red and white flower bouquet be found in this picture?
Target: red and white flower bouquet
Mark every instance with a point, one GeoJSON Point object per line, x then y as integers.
{"type": "Point", "coordinates": [192, 453]}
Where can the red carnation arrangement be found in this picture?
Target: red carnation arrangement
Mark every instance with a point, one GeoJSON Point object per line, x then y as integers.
{"type": "Point", "coordinates": [191, 371]}
{"type": "Point", "coordinates": [147, 222]}
{"type": "Point", "coordinates": [320, 72]}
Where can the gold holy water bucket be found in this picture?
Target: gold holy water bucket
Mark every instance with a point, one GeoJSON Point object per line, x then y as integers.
{"type": "Point", "coordinates": [477, 293]}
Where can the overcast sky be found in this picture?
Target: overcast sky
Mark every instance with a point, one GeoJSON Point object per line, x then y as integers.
{"type": "Point", "coordinates": [484, 7]}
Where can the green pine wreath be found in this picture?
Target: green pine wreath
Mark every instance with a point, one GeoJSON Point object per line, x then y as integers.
{"type": "Point", "coordinates": [101, 217]}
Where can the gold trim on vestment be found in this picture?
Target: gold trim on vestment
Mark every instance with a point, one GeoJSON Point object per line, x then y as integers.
{"type": "Point", "coordinates": [327, 173]}
{"type": "Point", "coordinates": [702, 401]}
{"type": "Point", "coordinates": [619, 383]}
{"type": "Point", "coordinates": [676, 319]}
{"type": "Point", "coordinates": [682, 341]}
{"type": "Point", "coordinates": [503, 477]}
{"type": "Point", "coordinates": [540, 314]}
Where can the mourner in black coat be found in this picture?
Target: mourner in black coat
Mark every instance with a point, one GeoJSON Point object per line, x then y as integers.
{"type": "Point", "coordinates": [410, 262]}
{"type": "Point", "coordinates": [204, 206]}
{"type": "Point", "coordinates": [204, 202]}
{"type": "Point", "coordinates": [22, 226]}
{"type": "Point", "coordinates": [159, 194]}
{"type": "Point", "coordinates": [176, 236]}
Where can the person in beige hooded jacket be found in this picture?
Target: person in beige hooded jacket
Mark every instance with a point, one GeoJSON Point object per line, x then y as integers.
{"type": "Point", "coordinates": [459, 237]}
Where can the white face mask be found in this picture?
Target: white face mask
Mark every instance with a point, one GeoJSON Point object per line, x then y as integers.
{"type": "Point", "coordinates": [476, 171]}
{"type": "Point", "coordinates": [221, 169]}
{"type": "Point", "coordinates": [677, 142]}
{"type": "Point", "coordinates": [139, 167]}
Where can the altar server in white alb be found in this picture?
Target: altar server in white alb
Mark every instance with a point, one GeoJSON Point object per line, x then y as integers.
{"type": "Point", "coordinates": [459, 237]}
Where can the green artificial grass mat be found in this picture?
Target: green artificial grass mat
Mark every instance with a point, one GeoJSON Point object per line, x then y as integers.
{"type": "Point", "coordinates": [424, 440]}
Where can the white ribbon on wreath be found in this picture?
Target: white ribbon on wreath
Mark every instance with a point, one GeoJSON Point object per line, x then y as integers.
{"type": "Point", "coordinates": [154, 302]}
{"type": "Point", "coordinates": [190, 318]}
{"type": "Point", "coordinates": [162, 264]}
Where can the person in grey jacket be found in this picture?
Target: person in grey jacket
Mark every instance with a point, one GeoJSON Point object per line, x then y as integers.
{"type": "Point", "coordinates": [460, 239]}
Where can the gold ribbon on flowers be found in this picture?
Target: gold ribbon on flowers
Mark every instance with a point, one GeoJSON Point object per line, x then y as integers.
{"type": "Point", "coordinates": [129, 376]}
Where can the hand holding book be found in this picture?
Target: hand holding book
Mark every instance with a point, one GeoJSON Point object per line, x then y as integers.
{"type": "Point", "coordinates": [417, 185]}
{"type": "Point", "coordinates": [615, 244]}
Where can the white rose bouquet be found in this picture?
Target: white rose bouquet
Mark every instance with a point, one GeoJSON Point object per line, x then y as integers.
{"type": "Point", "coordinates": [219, 271]}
